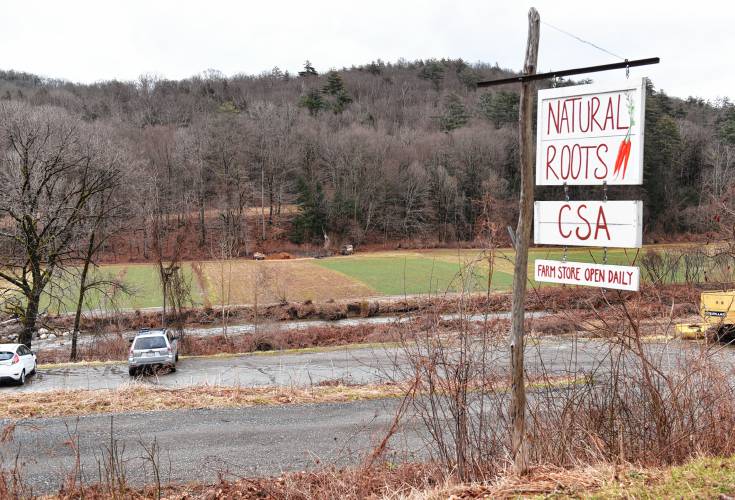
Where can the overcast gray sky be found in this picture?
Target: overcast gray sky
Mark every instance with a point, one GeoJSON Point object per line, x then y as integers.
{"type": "Point", "coordinates": [94, 40]}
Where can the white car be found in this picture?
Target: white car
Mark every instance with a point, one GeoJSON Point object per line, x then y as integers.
{"type": "Point", "coordinates": [16, 362]}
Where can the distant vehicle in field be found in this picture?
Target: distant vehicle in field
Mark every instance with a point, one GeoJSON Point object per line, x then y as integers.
{"type": "Point", "coordinates": [347, 250]}
{"type": "Point", "coordinates": [16, 362]}
{"type": "Point", "coordinates": [152, 349]}
{"type": "Point", "coordinates": [258, 256]}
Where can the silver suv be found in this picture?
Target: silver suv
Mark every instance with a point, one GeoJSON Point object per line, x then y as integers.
{"type": "Point", "coordinates": [153, 348]}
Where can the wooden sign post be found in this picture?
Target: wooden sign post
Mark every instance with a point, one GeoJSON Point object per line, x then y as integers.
{"type": "Point", "coordinates": [523, 237]}
{"type": "Point", "coordinates": [577, 146]}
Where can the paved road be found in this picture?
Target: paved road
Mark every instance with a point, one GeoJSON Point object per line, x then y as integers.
{"type": "Point", "coordinates": [364, 365]}
{"type": "Point", "coordinates": [200, 444]}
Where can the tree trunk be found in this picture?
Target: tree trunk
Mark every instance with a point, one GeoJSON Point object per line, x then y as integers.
{"type": "Point", "coordinates": [270, 206]}
{"type": "Point", "coordinates": [262, 201]}
{"type": "Point", "coordinates": [145, 241]}
{"type": "Point", "coordinates": [523, 235]}
{"type": "Point", "coordinates": [77, 321]}
{"type": "Point", "coordinates": [164, 288]}
{"type": "Point", "coordinates": [202, 227]}
{"type": "Point", "coordinates": [80, 300]}
{"type": "Point", "coordinates": [29, 321]}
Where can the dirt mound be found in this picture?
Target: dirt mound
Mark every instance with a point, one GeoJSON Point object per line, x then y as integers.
{"type": "Point", "coordinates": [279, 256]}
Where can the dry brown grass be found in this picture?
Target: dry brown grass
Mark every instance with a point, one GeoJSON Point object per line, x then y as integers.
{"type": "Point", "coordinates": [380, 481]}
{"type": "Point", "coordinates": [700, 478]}
{"type": "Point", "coordinates": [540, 481]}
{"type": "Point", "coordinates": [276, 280]}
{"type": "Point", "coordinates": [139, 398]}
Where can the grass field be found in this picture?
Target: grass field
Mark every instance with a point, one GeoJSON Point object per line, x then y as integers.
{"type": "Point", "coordinates": [141, 280]}
{"type": "Point", "coordinates": [241, 281]}
{"type": "Point", "coordinates": [396, 274]}
{"type": "Point", "coordinates": [436, 271]}
{"type": "Point", "coordinates": [389, 273]}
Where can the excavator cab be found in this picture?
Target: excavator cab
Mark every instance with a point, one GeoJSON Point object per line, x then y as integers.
{"type": "Point", "coordinates": [718, 313]}
{"type": "Point", "coordinates": [717, 310]}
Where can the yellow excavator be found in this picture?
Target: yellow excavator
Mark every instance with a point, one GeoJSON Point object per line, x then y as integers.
{"type": "Point", "coordinates": [718, 317]}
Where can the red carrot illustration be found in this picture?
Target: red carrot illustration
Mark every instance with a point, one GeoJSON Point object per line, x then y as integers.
{"type": "Point", "coordinates": [621, 161]}
{"type": "Point", "coordinates": [623, 156]}
{"type": "Point", "coordinates": [619, 158]}
{"type": "Point", "coordinates": [626, 156]}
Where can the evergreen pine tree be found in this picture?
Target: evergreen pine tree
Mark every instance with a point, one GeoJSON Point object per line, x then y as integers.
{"type": "Point", "coordinates": [340, 213]}
{"type": "Point", "coordinates": [455, 114]}
{"type": "Point", "coordinates": [662, 158]}
{"type": "Point", "coordinates": [308, 70]}
{"type": "Point", "coordinates": [311, 219]}
{"type": "Point", "coordinates": [434, 72]}
{"type": "Point", "coordinates": [313, 101]}
{"type": "Point", "coordinates": [500, 108]}
{"type": "Point", "coordinates": [727, 126]}
{"type": "Point", "coordinates": [335, 87]}
{"type": "Point", "coordinates": [375, 67]}
{"type": "Point", "coordinates": [334, 84]}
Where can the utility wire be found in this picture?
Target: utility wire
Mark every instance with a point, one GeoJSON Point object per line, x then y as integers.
{"type": "Point", "coordinates": [582, 40]}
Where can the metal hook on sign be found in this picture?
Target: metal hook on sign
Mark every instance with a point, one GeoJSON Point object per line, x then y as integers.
{"type": "Point", "coordinates": [627, 69]}
{"type": "Point", "coordinates": [604, 255]}
{"type": "Point", "coordinates": [564, 257]}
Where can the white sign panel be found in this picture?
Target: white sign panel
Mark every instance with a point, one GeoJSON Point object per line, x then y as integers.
{"type": "Point", "coordinates": [579, 273]}
{"type": "Point", "coordinates": [591, 134]}
{"type": "Point", "coordinates": [589, 223]}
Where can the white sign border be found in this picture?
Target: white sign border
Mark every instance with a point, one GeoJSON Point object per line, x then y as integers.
{"type": "Point", "coordinates": [637, 222]}
{"type": "Point", "coordinates": [586, 265]}
{"type": "Point", "coordinates": [592, 88]}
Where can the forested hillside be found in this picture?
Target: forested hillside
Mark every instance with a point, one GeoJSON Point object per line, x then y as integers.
{"type": "Point", "coordinates": [406, 151]}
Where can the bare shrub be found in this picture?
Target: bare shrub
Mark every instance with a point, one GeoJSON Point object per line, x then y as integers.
{"type": "Point", "coordinates": [722, 268]}
{"type": "Point", "coordinates": [660, 267]}
{"type": "Point", "coordinates": [647, 403]}
{"type": "Point", "coordinates": [456, 377]}
{"type": "Point", "coordinates": [694, 262]}
{"type": "Point", "coordinates": [12, 479]}
{"type": "Point", "coordinates": [380, 481]}
{"type": "Point", "coordinates": [615, 399]}
{"type": "Point", "coordinates": [113, 466]}
{"type": "Point", "coordinates": [556, 325]}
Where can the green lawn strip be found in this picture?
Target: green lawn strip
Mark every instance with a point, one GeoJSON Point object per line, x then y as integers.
{"type": "Point", "coordinates": [396, 275]}
{"type": "Point", "coordinates": [144, 281]}
{"type": "Point", "coordinates": [141, 279]}
{"type": "Point", "coordinates": [474, 259]}
{"type": "Point", "coordinates": [711, 477]}
{"type": "Point", "coordinates": [62, 294]}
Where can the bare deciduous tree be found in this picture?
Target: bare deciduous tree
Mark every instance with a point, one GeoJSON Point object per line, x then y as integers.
{"type": "Point", "coordinates": [101, 220]}
{"type": "Point", "coordinates": [48, 175]}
